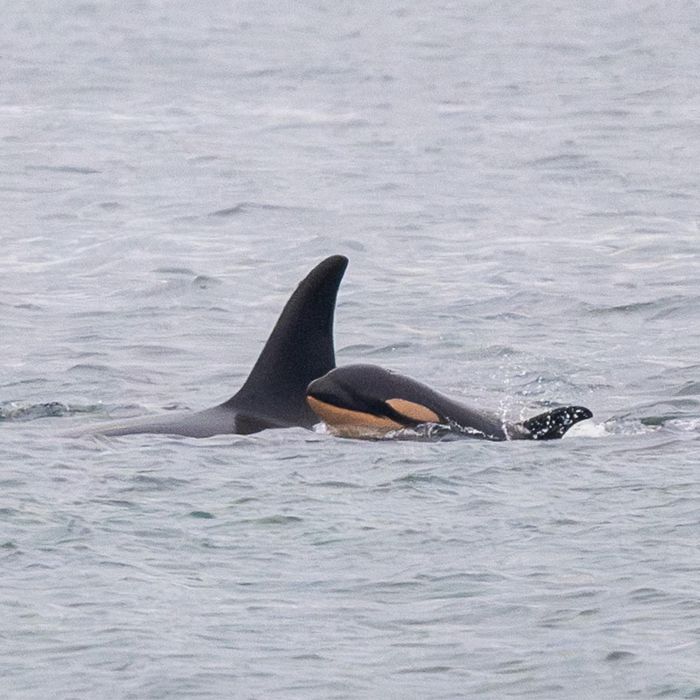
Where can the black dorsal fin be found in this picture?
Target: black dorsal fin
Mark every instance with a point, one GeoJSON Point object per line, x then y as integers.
{"type": "Point", "coordinates": [299, 350]}
{"type": "Point", "coordinates": [553, 424]}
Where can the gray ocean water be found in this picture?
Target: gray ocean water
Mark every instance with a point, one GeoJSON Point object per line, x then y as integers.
{"type": "Point", "coordinates": [516, 186]}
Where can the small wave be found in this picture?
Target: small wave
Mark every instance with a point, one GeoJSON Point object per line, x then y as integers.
{"type": "Point", "coordinates": [277, 519]}
{"type": "Point", "coordinates": [425, 432]}
{"type": "Point", "coordinates": [356, 349]}
{"type": "Point", "coordinates": [676, 415]}
{"type": "Point", "coordinates": [684, 425]}
{"type": "Point", "coordinates": [247, 207]}
{"type": "Point", "coordinates": [19, 412]}
{"type": "Point", "coordinates": [390, 348]}
{"type": "Point", "coordinates": [417, 479]}
{"type": "Point", "coordinates": [92, 367]}
{"type": "Point", "coordinates": [689, 389]}
{"type": "Point", "coordinates": [620, 655]}
{"type": "Point", "coordinates": [229, 211]}
{"type": "Point", "coordinates": [334, 484]}
{"type": "Point", "coordinates": [184, 271]}
{"type": "Point", "coordinates": [26, 306]}
{"type": "Point", "coordinates": [64, 169]}
{"type": "Point", "coordinates": [149, 482]}
{"type": "Point", "coordinates": [659, 412]}
{"type": "Point", "coordinates": [281, 119]}
{"type": "Point", "coordinates": [205, 282]}
{"type": "Point", "coordinates": [588, 429]}
{"type": "Point", "coordinates": [564, 161]}
{"type": "Point", "coordinates": [656, 308]}
{"type": "Point", "coordinates": [535, 383]}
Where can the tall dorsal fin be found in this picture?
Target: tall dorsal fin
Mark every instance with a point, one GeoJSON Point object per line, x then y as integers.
{"type": "Point", "coordinates": [299, 350]}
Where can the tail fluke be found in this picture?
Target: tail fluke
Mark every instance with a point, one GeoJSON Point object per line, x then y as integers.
{"type": "Point", "coordinates": [553, 424]}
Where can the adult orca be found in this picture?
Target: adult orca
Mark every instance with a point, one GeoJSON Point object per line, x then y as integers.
{"type": "Point", "coordinates": [369, 401]}
{"type": "Point", "coordinates": [299, 349]}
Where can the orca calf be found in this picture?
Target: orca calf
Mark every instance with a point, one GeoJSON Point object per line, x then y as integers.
{"type": "Point", "coordinates": [299, 349]}
{"type": "Point", "coordinates": [366, 401]}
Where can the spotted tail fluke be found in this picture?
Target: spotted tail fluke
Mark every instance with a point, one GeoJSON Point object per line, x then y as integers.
{"type": "Point", "coordinates": [553, 424]}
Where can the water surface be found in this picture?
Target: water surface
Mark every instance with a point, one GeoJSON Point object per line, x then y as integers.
{"type": "Point", "coordinates": [516, 189]}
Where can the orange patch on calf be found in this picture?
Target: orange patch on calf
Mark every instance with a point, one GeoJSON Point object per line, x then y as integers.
{"type": "Point", "coordinates": [414, 411]}
{"type": "Point", "coordinates": [343, 421]}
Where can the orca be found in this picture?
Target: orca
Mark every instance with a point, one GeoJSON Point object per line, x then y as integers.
{"type": "Point", "coordinates": [299, 349]}
{"type": "Point", "coordinates": [366, 401]}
